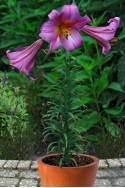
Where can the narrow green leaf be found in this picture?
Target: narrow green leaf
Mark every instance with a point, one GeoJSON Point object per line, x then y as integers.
{"type": "Point", "coordinates": [46, 135]}
{"type": "Point", "coordinates": [48, 65]}
{"type": "Point", "coordinates": [50, 145]}
{"type": "Point", "coordinates": [72, 159]}
{"type": "Point", "coordinates": [9, 43]}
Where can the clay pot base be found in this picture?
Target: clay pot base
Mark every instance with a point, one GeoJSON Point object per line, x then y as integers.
{"type": "Point", "coordinates": [80, 161]}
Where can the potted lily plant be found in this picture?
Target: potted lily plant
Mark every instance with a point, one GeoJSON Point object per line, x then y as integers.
{"type": "Point", "coordinates": [67, 166]}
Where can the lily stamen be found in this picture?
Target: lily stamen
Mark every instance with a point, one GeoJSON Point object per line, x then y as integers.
{"type": "Point", "coordinates": [65, 30]}
{"type": "Point", "coordinates": [112, 41]}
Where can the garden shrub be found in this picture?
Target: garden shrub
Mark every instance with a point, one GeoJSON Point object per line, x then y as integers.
{"type": "Point", "coordinates": [15, 128]}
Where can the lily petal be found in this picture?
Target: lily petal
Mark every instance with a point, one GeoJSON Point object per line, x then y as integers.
{"type": "Point", "coordinates": [96, 32]}
{"type": "Point", "coordinates": [48, 31]}
{"type": "Point", "coordinates": [105, 46]}
{"type": "Point", "coordinates": [81, 22]}
{"type": "Point", "coordinates": [54, 16]}
{"type": "Point", "coordinates": [55, 45]}
{"type": "Point", "coordinates": [114, 22]}
{"type": "Point", "coordinates": [70, 13]}
{"type": "Point", "coordinates": [73, 41]}
{"type": "Point", "coordinates": [21, 49]}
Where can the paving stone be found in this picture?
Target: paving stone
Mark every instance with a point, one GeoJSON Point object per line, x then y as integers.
{"type": "Point", "coordinates": [2, 162]}
{"type": "Point", "coordinates": [29, 174]}
{"type": "Point", "coordinates": [24, 164]}
{"type": "Point", "coordinates": [11, 164]}
{"type": "Point", "coordinates": [111, 173]}
{"type": "Point", "coordinates": [122, 160]}
{"type": "Point", "coordinates": [113, 163]}
{"type": "Point", "coordinates": [34, 165]}
{"type": "Point", "coordinates": [28, 183]}
{"type": "Point", "coordinates": [102, 173]}
{"type": "Point", "coordinates": [103, 183]}
{"type": "Point", "coordinates": [103, 164]}
{"type": "Point", "coordinates": [117, 172]}
{"type": "Point", "coordinates": [9, 182]}
{"type": "Point", "coordinates": [120, 182]}
{"type": "Point", "coordinates": [8, 173]}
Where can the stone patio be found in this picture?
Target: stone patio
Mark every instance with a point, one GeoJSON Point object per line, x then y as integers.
{"type": "Point", "coordinates": [14, 173]}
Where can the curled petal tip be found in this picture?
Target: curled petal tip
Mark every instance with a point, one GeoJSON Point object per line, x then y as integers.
{"type": "Point", "coordinates": [53, 15]}
{"type": "Point", "coordinates": [114, 19]}
{"type": "Point", "coordinates": [114, 22]}
{"type": "Point", "coordinates": [88, 20]}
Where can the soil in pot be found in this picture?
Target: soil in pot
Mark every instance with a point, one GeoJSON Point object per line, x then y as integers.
{"type": "Point", "coordinates": [79, 160]}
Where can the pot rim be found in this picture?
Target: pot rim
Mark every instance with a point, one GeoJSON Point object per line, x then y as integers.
{"type": "Point", "coordinates": [95, 161]}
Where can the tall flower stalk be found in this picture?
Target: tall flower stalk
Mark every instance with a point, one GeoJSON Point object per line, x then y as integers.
{"type": "Point", "coordinates": [60, 119]}
{"type": "Point", "coordinates": [67, 99]}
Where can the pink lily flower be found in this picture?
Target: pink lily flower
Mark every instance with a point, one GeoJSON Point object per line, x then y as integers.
{"type": "Point", "coordinates": [63, 27]}
{"type": "Point", "coordinates": [104, 35]}
{"type": "Point", "coordinates": [23, 59]}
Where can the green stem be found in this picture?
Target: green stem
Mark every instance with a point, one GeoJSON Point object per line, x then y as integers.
{"type": "Point", "coordinates": [67, 106]}
{"type": "Point", "coordinates": [67, 88]}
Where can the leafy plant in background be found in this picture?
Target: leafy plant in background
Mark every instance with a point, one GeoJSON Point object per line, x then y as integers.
{"type": "Point", "coordinates": [102, 99]}
{"type": "Point", "coordinates": [15, 131]}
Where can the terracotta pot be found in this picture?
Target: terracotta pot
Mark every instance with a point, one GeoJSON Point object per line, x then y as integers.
{"type": "Point", "coordinates": [54, 176]}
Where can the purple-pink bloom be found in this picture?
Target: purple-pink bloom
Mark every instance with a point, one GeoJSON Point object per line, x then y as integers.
{"type": "Point", "coordinates": [23, 59]}
{"type": "Point", "coordinates": [63, 27]}
{"type": "Point", "coordinates": [104, 35]}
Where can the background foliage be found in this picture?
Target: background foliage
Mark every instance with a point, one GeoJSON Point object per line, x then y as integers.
{"type": "Point", "coordinates": [100, 80]}
{"type": "Point", "coordinates": [15, 131]}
